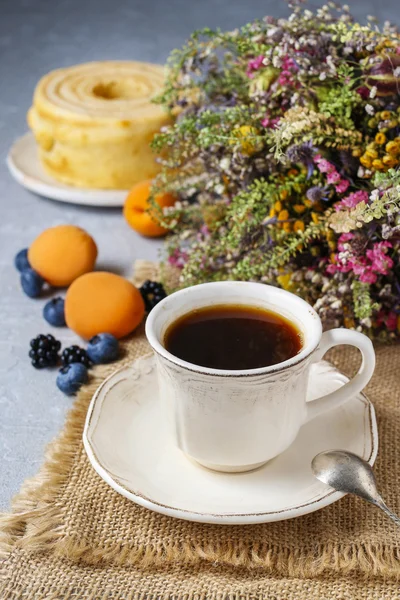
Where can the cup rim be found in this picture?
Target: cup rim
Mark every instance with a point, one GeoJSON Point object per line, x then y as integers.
{"type": "Point", "coordinates": [290, 362]}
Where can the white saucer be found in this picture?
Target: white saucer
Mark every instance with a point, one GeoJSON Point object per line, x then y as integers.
{"type": "Point", "coordinates": [127, 445]}
{"type": "Point", "coordinates": [24, 165]}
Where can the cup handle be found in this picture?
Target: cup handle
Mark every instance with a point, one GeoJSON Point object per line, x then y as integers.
{"type": "Point", "coordinates": [335, 337]}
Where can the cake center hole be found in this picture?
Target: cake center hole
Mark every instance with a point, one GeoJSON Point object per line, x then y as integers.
{"type": "Point", "coordinates": [119, 90]}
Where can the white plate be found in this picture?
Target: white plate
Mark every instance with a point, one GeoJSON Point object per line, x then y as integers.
{"type": "Point", "coordinates": [24, 165]}
{"type": "Point", "coordinates": [129, 448]}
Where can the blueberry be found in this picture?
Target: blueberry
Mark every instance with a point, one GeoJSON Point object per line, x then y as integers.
{"type": "Point", "coordinates": [21, 261]}
{"type": "Point", "coordinates": [53, 312]}
{"type": "Point", "coordinates": [31, 283]}
{"type": "Point", "coordinates": [71, 378]}
{"type": "Point", "coordinates": [103, 348]}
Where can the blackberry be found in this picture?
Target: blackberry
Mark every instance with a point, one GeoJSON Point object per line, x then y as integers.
{"type": "Point", "coordinates": [44, 351]}
{"type": "Point", "coordinates": [75, 354]}
{"type": "Point", "coordinates": [152, 293]}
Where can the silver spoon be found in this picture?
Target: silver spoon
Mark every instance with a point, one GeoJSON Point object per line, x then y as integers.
{"type": "Point", "coordinates": [349, 473]}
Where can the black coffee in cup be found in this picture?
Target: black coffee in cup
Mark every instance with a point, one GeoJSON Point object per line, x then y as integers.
{"type": "Point", "coordinates": [233, 337]}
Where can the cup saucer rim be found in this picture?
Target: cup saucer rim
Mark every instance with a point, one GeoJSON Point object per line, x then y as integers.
{"type": "Point", "coordinates": [326, 499]}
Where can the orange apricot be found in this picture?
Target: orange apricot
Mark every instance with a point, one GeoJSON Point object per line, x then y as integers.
{"type": "Point", "coordinates": [62, 253]}
{"type": "Point", "coordinates": [102, 302]}
{"type": "Point", "coordinates": [137, 205]}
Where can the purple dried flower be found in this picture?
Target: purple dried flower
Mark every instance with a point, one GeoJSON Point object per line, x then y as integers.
{"type": "Point", "coordinates": [270, 221]}
{"type": "Point", "coordinates": [317, 193]}
{"type": "Point", "coordinates": [303, 153]}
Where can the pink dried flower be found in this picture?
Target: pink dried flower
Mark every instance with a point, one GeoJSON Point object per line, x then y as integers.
{"type": "Point", "coordinates": [387, 319]}
{"type": "Point", "coordinates": [254, 65]}
{"type": "Point", "coordinates": [367, 268]}
{"type": "Point", "coordinates": [367, 276]}
{"type": "Point", "coordinates": [289, 67]}
{"type": "Point", "coordinates": [270, 123]}
{"type": "Point", "coordinates": [324, 166]}
{"type": "Point", "coordinates": [342, 186]}
{"type": "Point", "coordinates": [289, 63]}
{"type": "Point", "coordinates": [333, 177]}
{"type": "Point", "coordinates": [345, 237]}
{"type": "Point", "coordinates": [380, 262]}
{"type": "Point", "coordinates": [331, 268]}
{"type": "Point", "coordinates": [204, 230]}
{"type": "Point", "coordinates": [178, 258]}
{"type": "Point", "coordinates": [352, 200]}
{"type": "Point", "coordinates": [285, 78]}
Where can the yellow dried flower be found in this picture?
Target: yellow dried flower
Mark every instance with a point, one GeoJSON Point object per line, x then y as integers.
{"type": "Point", "coordinates": [390, 161]}
{"type": "Point", "coordinates": [278, 206]}
{"type": "Point", "coordinates": [299, 208]}
{"type": "Point", "coordinates": [366, 161]}
{"type": "Point", "coordinates": [298, 226]}
{"type": "Point", "coordinates": [380, 138]}
{"type": "Point", "coordinates": [272, 213]}
{"type": "Point", "coordinates": [377, 164]}
{"type": "Point", "coordinates": [392, 123]}
{"type": "Point", "coordinates": [226, 180]}
{"type": "Point", "coordinates": [393, 147]}
{"type": "Point", "coordinates": [307, 202]}
{"type": "Point", "coordinates": [287, 227]}
{"type": "Point", "coordinates": [315, 218]}
{"type": "Point", "coordinates": [284, 280]}
{"type": "Point", "coordinates": [283, 215]}
{"type": "Point", "coordinates": [385, 115]}
{"type": "Point", "coordinates": [349, 323]}
{"type": "Point", "coordinates": [357, 152]}
{"type": "Point", "coordinates": [372, 153]}
{"type": "Point", "coordinates": [283, 194]}
{"type": "Point", "coordinates": [247, 135]}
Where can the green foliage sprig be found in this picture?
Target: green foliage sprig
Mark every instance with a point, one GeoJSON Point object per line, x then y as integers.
{"type": "Point", "coordinates": [363, 304]}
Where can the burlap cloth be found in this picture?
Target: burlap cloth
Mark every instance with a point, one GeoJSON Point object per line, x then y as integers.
{"type": "Point", "coordinates": [71, 536]}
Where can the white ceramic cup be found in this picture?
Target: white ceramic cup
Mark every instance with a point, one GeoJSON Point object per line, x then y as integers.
{"type": "Point", "coordinates": [237, 420]}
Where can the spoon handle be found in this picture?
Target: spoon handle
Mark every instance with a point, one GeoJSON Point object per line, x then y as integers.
{"type": "Point", "coordinates": [389, 513]}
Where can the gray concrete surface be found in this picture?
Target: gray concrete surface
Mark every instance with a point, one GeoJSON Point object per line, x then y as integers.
{"type": "Point", "coordinates": [35, 37]}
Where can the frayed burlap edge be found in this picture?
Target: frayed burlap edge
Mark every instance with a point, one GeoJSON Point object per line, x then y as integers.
{"type": "Point", "coordinates": [35, 577]}
{"type": "Point", "coordinates": [36, 523]}
{"type": "Point", "coordinates": [38, 497]}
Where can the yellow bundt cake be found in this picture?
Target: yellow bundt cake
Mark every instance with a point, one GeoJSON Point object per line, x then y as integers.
{"type": "Point", "coordinates": [94, 123]}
